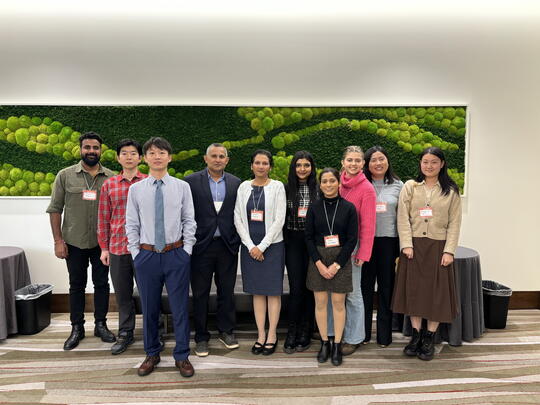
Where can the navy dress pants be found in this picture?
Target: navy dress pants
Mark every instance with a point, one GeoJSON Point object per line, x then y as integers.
{"type": "Point", "coordinates": [153, 270]}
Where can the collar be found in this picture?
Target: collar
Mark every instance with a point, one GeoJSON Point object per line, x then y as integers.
{"type": "Point", "coordinates": [79, 168]}
{"type": "Point", "coordinates": [423, 182]}
{"type": "Point", "coordinates": [138, 175]}
{"type": "Point", "coordinates": [166, 179]}
{"type": "Point", "coordinates": [210, 177]}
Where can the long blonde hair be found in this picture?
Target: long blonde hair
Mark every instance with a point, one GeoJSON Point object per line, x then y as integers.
{"type": "Point", "coordinates": [350, 149]}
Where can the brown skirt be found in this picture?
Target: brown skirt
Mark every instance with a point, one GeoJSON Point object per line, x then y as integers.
{"type": "Point", "coordinates": [423, 287]}
{"type": "Point", "coordinates": [342, 281]}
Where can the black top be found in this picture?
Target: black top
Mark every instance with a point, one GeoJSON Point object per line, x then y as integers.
{"type": "Point", "coordinates": [302, 199]}
{"type": "Point", "coordinates": [345, 225]}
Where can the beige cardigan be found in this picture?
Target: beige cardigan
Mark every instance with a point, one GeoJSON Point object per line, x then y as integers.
{"type": "Point", "coordinates": [446, 220]}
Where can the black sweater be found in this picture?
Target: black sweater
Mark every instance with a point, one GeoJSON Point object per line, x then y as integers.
{"type": "Point", "coordinates": [345, 225]}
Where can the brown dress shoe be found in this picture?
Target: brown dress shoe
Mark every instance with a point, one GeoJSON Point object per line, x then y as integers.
{"type": "Point", "coordinates": [186, 369]}
{"type": "Point", "coordinates": [148, 365]}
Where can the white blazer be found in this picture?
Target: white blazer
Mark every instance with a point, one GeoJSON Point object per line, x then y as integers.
{"type": "Point", "coordinates": [275, 209]}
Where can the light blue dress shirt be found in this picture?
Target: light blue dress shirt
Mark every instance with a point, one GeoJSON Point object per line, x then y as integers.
{"type": "Point", "coordinates": [218, 191]}
{"type": "Point", "coordinates": [179, 213]}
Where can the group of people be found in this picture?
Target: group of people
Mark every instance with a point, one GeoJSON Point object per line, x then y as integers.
{"type": "Point", "coordinates": [337, 233]}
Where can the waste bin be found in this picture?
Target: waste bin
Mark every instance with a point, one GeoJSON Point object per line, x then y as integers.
{"type": "Point", "coordinates": [33, 306]}
{"type": "Point", "coordinates": [496, 298]}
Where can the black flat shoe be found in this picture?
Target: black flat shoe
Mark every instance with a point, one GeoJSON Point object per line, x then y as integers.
{"type": "Point", "coordinates": [269, 348]}
{"type": "Point", "coordinates": [257, 348]}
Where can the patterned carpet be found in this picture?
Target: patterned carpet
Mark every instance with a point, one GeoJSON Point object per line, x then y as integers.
{"type": "Point", "coordinates": [503, 367]}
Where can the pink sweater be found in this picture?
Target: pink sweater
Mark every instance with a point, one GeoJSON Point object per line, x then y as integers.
{"type": "Point", "coordinates": [361, 193]}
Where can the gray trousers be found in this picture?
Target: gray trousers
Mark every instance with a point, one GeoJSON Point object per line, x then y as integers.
{"type": "Point", "coordinates": [122, 272]}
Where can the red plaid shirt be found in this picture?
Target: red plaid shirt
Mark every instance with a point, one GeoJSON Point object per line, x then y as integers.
{"type": "Point", "coordinates": [111, 230]}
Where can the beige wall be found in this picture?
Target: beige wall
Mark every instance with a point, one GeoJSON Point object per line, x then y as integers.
{"type": "Point", "coordinates": [398, 54]}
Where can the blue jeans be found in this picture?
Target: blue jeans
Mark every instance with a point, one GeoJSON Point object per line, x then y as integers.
{"type": "Point", "coordinates": [354, 323]}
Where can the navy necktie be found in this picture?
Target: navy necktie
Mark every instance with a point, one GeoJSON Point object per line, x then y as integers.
{"type": "Point", "coordinates": [159, 226]}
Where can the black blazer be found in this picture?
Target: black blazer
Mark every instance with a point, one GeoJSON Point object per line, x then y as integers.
{"type": "Point", "coordinates": [206, 216]}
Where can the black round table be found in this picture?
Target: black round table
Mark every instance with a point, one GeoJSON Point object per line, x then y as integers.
{"type": "Point", "coordinates": [14, 274]}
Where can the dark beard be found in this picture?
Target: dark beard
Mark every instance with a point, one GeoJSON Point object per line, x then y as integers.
{"type": "Point", "coordinates": [91, 160]}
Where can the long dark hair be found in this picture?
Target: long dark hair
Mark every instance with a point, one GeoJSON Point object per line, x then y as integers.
{"type": "Point", "coordinates": [294, 183]}
{"type": "Point", "coordinates": [445, 180]}
{"type": "Point", "coordinates": [389, 176]}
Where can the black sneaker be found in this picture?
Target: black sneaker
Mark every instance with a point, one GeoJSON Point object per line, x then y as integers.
{"type": "Point", "coordinates": [228, 340]}
{"type": "Point", "coordinates": [201, 348]}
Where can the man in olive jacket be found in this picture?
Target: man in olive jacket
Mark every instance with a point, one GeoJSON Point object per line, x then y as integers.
{"type": "Point", "coordinates": [76, 192]}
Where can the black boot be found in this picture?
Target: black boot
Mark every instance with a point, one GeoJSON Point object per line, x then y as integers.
{"type": "Point", "coordinates": [324, 352]}
{"type": "Point", "coordinates": [77, 334]}
{"type": "Point", "coordinates": [337, 356]}
{"type": "Point", "coordinates": [414, 345]}
{"type": "Point", "coordinates": [103, 332]}
{"type": "Point", "coordinates": [303, 337]}
{"type": "Point", "coordinates": [427, 349]}
{"type": "Point", "coordinates": [124, 340]}
{"type": "Point", "coordinates": [290, 341]}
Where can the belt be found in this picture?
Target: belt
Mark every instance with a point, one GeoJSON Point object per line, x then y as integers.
{"type": "Point", "coordinates": [168, 247]}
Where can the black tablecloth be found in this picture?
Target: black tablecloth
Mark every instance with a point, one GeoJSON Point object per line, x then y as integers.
{"type": "Point", "coordinates": [469, 324]}
{"type": "Point", "coordinates": [14, 274]}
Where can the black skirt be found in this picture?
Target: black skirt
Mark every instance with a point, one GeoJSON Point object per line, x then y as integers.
{"type": "Point", "coordinates": [340, 283]}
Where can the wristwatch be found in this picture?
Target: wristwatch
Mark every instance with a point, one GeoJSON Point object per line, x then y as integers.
{"type": "Point", "coordinates": [337, 266]}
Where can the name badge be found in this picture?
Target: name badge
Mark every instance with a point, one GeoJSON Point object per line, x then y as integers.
{"type": "Point", "coordinates": [426, 212]}
{"type": "Point", "coordinates": [302, 212]}
{"type": "Point", "coordinates": [217, 205]}
{"type": "Point", "coordinates": [257, 215]}
{"type": "Point", "coordinates": [380, 206]}
{"type": "Point", "coordinates": [90, 195]}
{"type": "Point", "coordinates": [331, 241]}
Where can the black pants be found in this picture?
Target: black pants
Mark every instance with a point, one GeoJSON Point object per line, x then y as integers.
{"type": "Point", "coordinates": [381, 268]}
{"type": "Point", "coordinates": [218, 262]}
{"type": "Point", "coordinates": [301, 301]}
{"type": "Point", "coordinates": [122, 273]}
{"type": "Point", "coordinates": [77, 264]}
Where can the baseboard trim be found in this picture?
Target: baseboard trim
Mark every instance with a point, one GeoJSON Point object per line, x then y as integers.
{"type": "Point", "coordinates": [60, 302]}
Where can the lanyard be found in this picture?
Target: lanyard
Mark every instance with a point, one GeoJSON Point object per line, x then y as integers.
{"type": "Point", "coordinates": [379, 191]}
{"type": "Point", "coordinates": [303, 198]}
{"type": "Point", "coordinates": [256, 206]}
{"type": "Point", "coordinates": [330, 228]}
{"type": "Point", "coordinates": [86, 181]}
